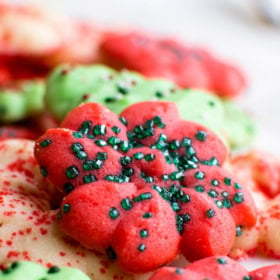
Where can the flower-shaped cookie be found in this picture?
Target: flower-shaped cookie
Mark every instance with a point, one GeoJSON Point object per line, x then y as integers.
{"type": "Point", "coordinates": [145, 186]}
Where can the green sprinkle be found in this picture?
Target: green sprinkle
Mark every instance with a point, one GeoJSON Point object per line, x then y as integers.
{"type": "Point", "coordinates": [177, 175]}
{"type": "Point", "coordinates": [186, 218]}
{"type": "Point", "coordinates": [141, 247]}
{"type": "Point", "coordinates": [159, 94]}
{"type": "Point", "coordinates": [227, 181]}
{"type": "Point", "coordinates": [175, 206]}
{"type": "Point", "coordinates": [149, 179]}
{"type": "Point", "coordinates": [238, 231]}
{"type": "Point", "coordinates": [185, 198]}
{"type": "Point", "coordinates": [100, 142]}
{"type": "Point", "coordinates": [143, 196]}
{"type": "Point", "coordinates": [81, 155]}
{"type": "Point", "coordinates": [162, 137]}
{"type": "Point", "coordinates": [161, 142]}
{"type": "Point", "coordinates": [125, 146]}
{"type": "Point", "coordinates": [114, 213]}
{"type": "Point", "coordinates": [221, 261]}
{"type": "Point", "coordinates": [77, 134]}
{"type": "Point", "coordinates": [97, 164]}
{"type": "Point", "coordinates": [44, 171]}
{"type": "Point", "coordinates": [199, 188]}
{"type": "Point", "coordinates": [117, 178]}
{"type": "Point", "coordinates": [78, 149]}
{"type": "Point", "coordinates": [238, 197]}
{"type": "Point", "coordinates": [225, 194]}
{"type": "Point", "coordinates": [219, 203]}
{"type": "Point", "coordinates": [131, 135]}
{"type": "Point", "coordinates": [165, 177]}
{"type": "Point", "coordinates": [116, 129]}
{"type": "Point", "coordinates": [126, 204]}
{"type": "Point", "coordinates": [85, 127]}
{"type": "Point", "coordinates": [179, 270]}
{"type": "Point", "coordinates": [144, 233]}
{"type": "Point", "coordinates": [110, 252]}
{"type": "Point", "coordinates": [139, 129]}
{"type": "Point", "coordinates": [138, 156]}
{"type": "Point", "coordinates": [99, 129]}
{"type": "Point", "coordinates": [88, 165]}
{"type": "Point", "coordinates": [158, 122]}
{"type": "Point", "coordinates": [186, 142]}
{"type": "Point", "coordinates": [210, 213]}
{"type": "Point", "coordinates": [110, 99]}
{"type": "Point", "coordinates": [102, 155]}
{"type": "Point", "coordinates": [113, 140]}
{"type": "Point", "coordinates": [174, 190]}
{"type": "Point", "coordinates": [72, 172]}
{"type": "Point", "coordinates": [89, 179]}
{"type": "Point", "coordinates": [46, 143]}
{"type": "Point", "coordinates": [157, 188]}
{"type": "Point", "coordinates": [201, 136]}
{"type": "Point", "coordinates": [181, 220]}
{"type": "Point", "coordinates": [215, 182]}
{"type": "Point", "coordinates": [190, 151]}
{"type": "Point", "coordinates": [128, 171]}
{"type": "Point", "coordinates": [125, 160]}
{"type": "Point", "coordinates": [66, 207]}
{"type": "Point", "coordinates": [237, 186]}
{"type": "Point", "coordinates": [147, 215]}
{"type": "Point", "coordinates": [212, 162]}
{"type": "Point", "coordinates": [227, 203]}
{"type": "Point", "coordinates": [53, 269]}
{"type": "Point", "coordinates": [68, 187]}
{"type": "Point", "coordinates": [14, 265]}
{"type": "Point", "coordinates": [248, 277]}
{"type": "Point", "coordinates": [213, 193]}
{"type": "Point", "coordinates": [174, 145]}
{"type": "Point", "coordinates": [149, 157]}
{"type": "Point", "coordinates": [122, 89]}
{"type": "Point", "coordinates": [123, 120]}
{"type": "Point", "coordinates": [110, 178]}
{"type": "Point", "coordinates": [199, 175]}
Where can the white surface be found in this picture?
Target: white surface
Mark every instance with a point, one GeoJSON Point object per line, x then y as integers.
{"type": "Point", "coordinates": [231, 28]}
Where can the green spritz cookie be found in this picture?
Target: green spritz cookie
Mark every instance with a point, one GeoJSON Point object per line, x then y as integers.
{"type": "Point", "coordinates": [23, 101]}
{"type": "Point", "coordinates": [239, 127]}
{"type": "Point", "coordinates": [68, 87]}
{"type": "Point", "coordinates": [25, 270]}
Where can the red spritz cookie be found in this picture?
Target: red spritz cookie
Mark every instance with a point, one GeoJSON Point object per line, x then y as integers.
{"type": "Point", "coordinates": [29, 230]}
{"type": "Point", "coordinates": [185, 65]}
{"type": "Point", "coordinates": [134, 185]}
